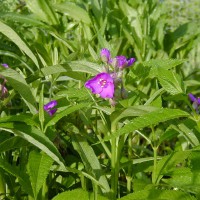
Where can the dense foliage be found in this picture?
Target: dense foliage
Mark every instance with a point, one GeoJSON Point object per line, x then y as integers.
{"type": "Point", "coordinates": [99, 99]}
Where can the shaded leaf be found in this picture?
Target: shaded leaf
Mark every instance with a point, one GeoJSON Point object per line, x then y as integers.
{"type": "Point", "coordinates": [90, 160]}
{"type": "Point", "coordinates": [14, 37]}
{"type": "Point", "coordinates": [38, 169]}
{"type": "Point", "coordinates": [17, 81]}
{"type": "Point", "coordinates": [23, 177]}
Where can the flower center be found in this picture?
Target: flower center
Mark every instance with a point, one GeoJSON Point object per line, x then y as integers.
{"type": "Point", "coordinates": [102, 82]}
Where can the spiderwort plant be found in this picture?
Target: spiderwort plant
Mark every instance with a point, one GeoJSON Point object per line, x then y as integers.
{"type": "Point", "coordinates": [108, 85]}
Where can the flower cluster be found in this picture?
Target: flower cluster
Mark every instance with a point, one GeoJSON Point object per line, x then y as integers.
{"type": "Point", "coordinates": [49, 107]}
{"type": "Point", "coordinates": [106, 83]}
{"type": "Point", "coordinates": [195, 102]}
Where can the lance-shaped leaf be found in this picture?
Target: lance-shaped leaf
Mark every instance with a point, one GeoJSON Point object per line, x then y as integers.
{"type": "Point", "coordinates": [19, 84]}
{"type": "Point", "coordinates": [14, 37]}
{"type": "Point", "coordinates": [90, 160]}
{"type": "Point", "coordinates": [171, 81]}
{"type": "Point", "coordinates": [35, 137]}
{"type": "Point", "coordinates": [149, 119]}
{"type": "Point", "coordinates": [21, 175]}
{"type": "Point", "coordinates": [38, 169]}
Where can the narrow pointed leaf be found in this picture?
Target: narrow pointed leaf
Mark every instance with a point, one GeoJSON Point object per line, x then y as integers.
{"type": "Point", "coordinates": [90, 160]}
{"type": "Point", "coordinates": [13, 143]}
{"type": "Point", "coordinates": [35, 137]}
{"type": "Point", "coordinates": [22, 177]}
{"type": "Point", "coordinates": [19, 84]}
{"type": "Point", "coordinates": [149, 119]}
{"type": "Point", "coordinates": [14, 37]}
{"type": "Point", "coordinates": [38, 169]}
{"type": "Point", "coordinates": [66, 112]}
{"type": "Point", "coordinates": [74, 11]}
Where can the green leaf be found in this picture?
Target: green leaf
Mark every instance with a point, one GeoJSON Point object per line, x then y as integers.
{"type": "Point", "coordinates": [74, 11]}
{"type": "Point", "coordinates": [156, 194]}
{"type": "Point", "coordinates": [35, 137]}
{"type": "Point", "coordinates": [150, 119]}
{"type": "Point", "coordinates": [19, 84]}
{"type": "Point", "coordinates": [12, 143]}
{"type": "Point", "coordinates": [161, 64]}
{"type": "Point", "coordinates": [184, 179]}
{"type": "Point", "coordinates": [77, 194]}
{"type": "Point", "coordinates": [38, 169]}
{"type": "Point", "coordinates": [13, 55]}
{"type": "Point", "coordinates": [43, 10]}
{"type": "Point", "coordinates": [170, 81]}
{"type": "Point", "coordinates": [26, 118]}
{"type": "Point", "coordinates": [84, 66]}
{"type": "Point", "coordinates": [13, 36]}
{"type": "Point", "coordinates": [168, 163]}
{"type": "Point", "coordinates": [73, 66]}
{"type": "Point", "coordinates": [188, 134]}
{"type": "Point", "coordinates": [22, 177]}
{"type": "Point", "coordinates": [66, 112]}
{"type": "Point", "coordinates": [168, 135]}
{"type": "Point", "coordinates": [132, 111]}
{"type": "Point", "coordinates": [74, 93]}
{"type": "Point", "coordinates": [90, 160]}
{"type": "Point", "coordinates": [28, 20]}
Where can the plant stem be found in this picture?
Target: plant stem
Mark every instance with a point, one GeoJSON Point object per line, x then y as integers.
{"type": "Point", "coordinates": [154, 176]}
{"type": "Point", "coordinates": [2, 186]}
{"type": "Point", "coordinates": [114, 164]}
{"type": "Point", "coordinates": [155, 148]}
{"type": "Point", "coordinates": [129, 174]}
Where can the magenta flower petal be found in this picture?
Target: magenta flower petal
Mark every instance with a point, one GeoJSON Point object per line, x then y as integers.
{"type": "Point", "coordinates": [93, 85]}
{"type": "Point", "coordinates": [101, 84]}
{"type": "Point", "coordinates": [105, 55]}
{"type": "Point", "coordinates": [108, 92]}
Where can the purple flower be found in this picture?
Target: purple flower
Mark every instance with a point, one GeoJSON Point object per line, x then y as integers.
{"type": "Point", "coordinates": [196, 101]}
{"type": "Point", "coordinates": [5, 65]}
{"type": "Point", "coordinates": [130, 61]}
{"type": "Point", "coordinates": [105, 55]}
{"type": "Point", "coordinates": [101, 84]}
{"type": "Point", "coordinates": [122, 61]}
{"type": "Point", "coordinates": [49, 107]}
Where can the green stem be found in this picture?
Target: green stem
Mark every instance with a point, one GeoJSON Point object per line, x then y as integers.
{"type": "Point", "coordinates": [114, 164]}
{"type": "Point", "coordinates": [154, 176]}
{"type": "Point", "coordinates": [95, 189]}
{"type": "Point", "coordinates": [155, 149]}
{"type": "Point", "coordinates": [2, 186]}
{"type": "Point", "coordinates": [130, 169]}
